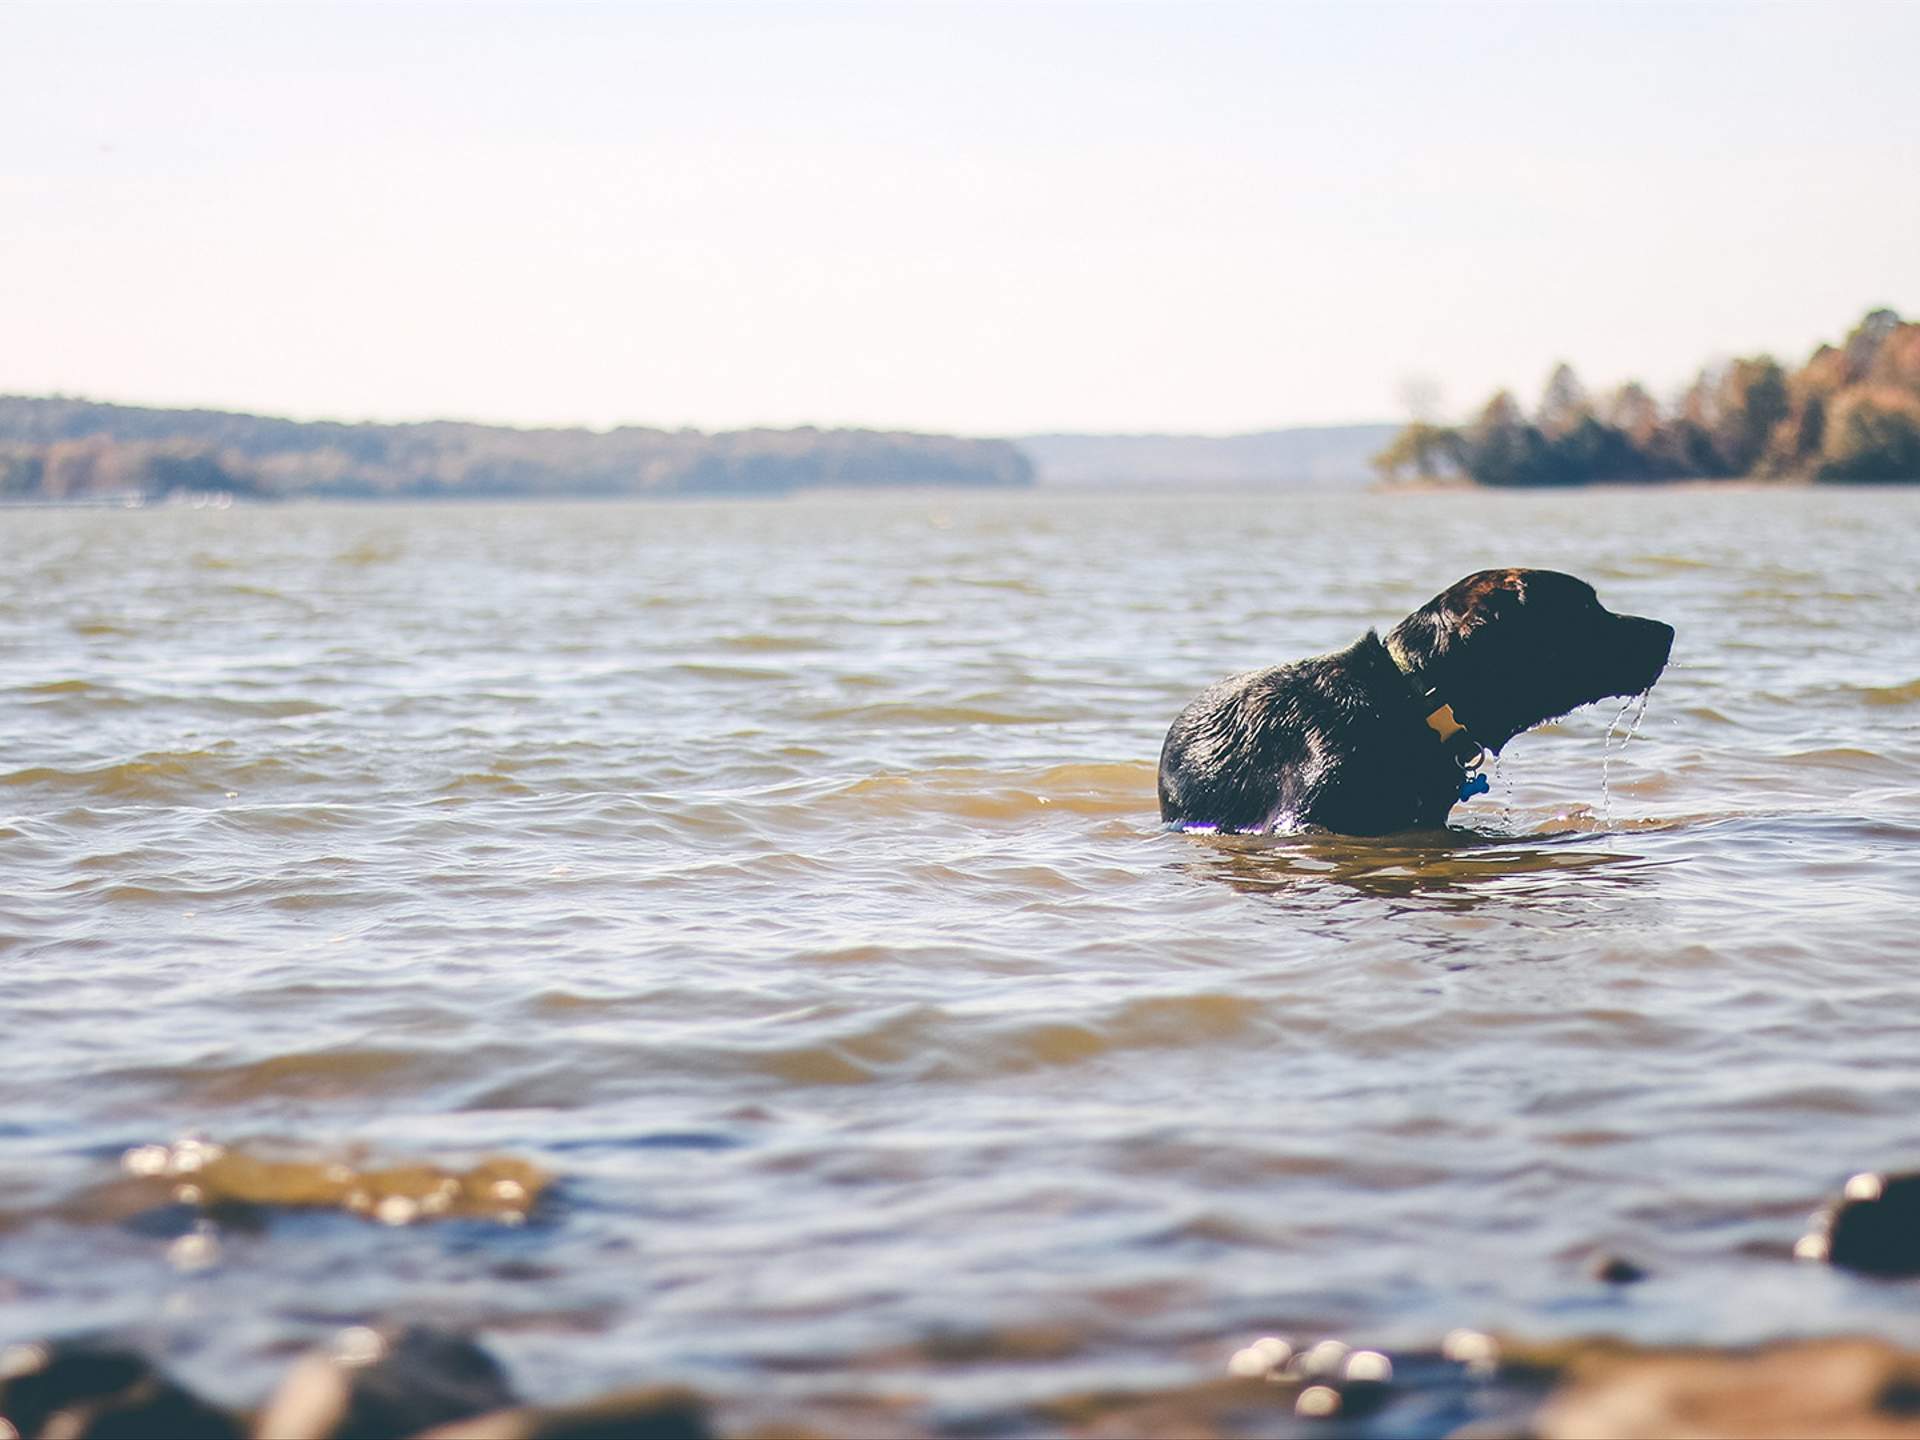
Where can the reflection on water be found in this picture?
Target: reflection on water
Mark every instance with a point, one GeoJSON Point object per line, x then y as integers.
{"type": "Point", "coordinates": [1450, 869]}
{"type": "Point", "coordinates": [786, 881]}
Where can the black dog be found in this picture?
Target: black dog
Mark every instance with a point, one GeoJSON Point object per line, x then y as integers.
{"type": "Point", "coordinates": [1388, 734]}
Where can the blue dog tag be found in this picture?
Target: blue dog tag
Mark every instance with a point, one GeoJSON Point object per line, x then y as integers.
{"type": "Point", "coordinates": [1474, 785]}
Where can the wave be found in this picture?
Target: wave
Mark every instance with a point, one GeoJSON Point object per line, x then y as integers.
{"type": "Point", "coordinates": [159, 776]}
{"type": "Point", "coordinates": [906, 713]}
{"type": "Point", "coordinates": [769, 643]}
{"type": "Point", "coordinates": [1116, 788]}
{"type": "Point", "coordinates": [935, 1043]}
{"type": "Point", "coordinates": [349, 1073]}
{"type": "Point", "coordinates": [1884, 695]}
{"type": "Point", "coordinates": [80, 698]}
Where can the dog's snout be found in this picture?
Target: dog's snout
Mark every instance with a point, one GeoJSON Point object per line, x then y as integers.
{"type": "Point", "coordinates": [1648, 645]}
{"type": "Point", "coordinates": [1656, 635]}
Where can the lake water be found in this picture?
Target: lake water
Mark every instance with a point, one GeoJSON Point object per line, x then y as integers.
{"type": "Point", "coordinates": [785, 879]}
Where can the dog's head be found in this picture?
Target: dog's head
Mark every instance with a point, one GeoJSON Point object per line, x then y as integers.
{"type": "Point", "coordinates": [1509, 649]}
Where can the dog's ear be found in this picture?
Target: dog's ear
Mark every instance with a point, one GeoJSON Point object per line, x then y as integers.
{"type": "Point", "coordinates": [1439, 629]}
{"type": "Point", "coordinates": [1483, 598]}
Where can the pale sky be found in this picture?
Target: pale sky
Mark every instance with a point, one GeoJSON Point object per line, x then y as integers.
{"type": "Point", "coordinates": [992, 219]}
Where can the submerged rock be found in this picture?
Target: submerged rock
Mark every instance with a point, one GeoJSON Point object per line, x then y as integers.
{"type": "Point", "coordinates": [1838, 1389]}
{"type": "Point", "coordinates": [371, 1383]}
{"type": "Point", "coordinates": [1873, 1227]}
{"type": "Point", "coordinates": [654, 1413]}
{"type": "Point", "coordinates": [1615, 1270]}
{"type": "Point", "coordinates": [75, 1389]}
{"type": "Point", "coordinates": [368, 1384]}
{"type": "Point", "coordinates": [200, 1173]}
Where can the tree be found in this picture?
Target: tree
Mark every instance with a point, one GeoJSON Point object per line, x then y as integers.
{"type": "Point", "coordinates": [1749, 401]}
{"type": "Point", "coordinates": [1563, 404]}
{"type": "Point", "coordinates": [1898, 362]}
{"type": "Point", "coordinates": [1863, 345]}
{"type": "Point", "coordinates": [1501, 448]}
{"type": "Point", "coordinates": [1872, 435]}
{"type": "Point", "coordinates": [1428, 450]}
{"type": "Point", "coordinates": [1634, 413]}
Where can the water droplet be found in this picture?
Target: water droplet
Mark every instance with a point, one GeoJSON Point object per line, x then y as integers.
{"type": "Point", "coordinates": [1479, 1353]}
{"type": "Point", "coordinates": [396, 1210]}
{"type": "Point", "coordinates": [146, 1160]}
{"type": "Point", "coordinates": [1261, 1358]}
{"type": "Point", "coordinates": [358, 1345]}
{"type": "Point", "coordinates": [1637, 704]}
{"type": "Point", "coordinates": [1317, 1402]}
{"type": "Point", "coordinates": [191, 1254]}
{"type": "Point", "coordinates": [1326, 1358]}
{"type": "Point", "coordinates": [192, 1154]}
{"type": "Point", "coordinates": [1369, 1367]}
{"type": "Point", "coordinates": [1867, 1186]}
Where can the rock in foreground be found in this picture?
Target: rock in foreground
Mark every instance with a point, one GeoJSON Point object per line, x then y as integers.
{"type": "Point", "coordinates": [434, 1385]}
{"type": "Point", "coordinates": [1841, 1389]}
{"type": "Point", "coordinates": [1874, 1227]}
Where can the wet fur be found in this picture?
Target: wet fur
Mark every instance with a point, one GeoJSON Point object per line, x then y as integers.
{"type": "Point", "coordinates": [1339, 741]}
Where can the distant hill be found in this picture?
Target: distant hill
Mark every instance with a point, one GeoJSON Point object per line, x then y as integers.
{"type": "Point", "coordinates": [1303, 457]}
{"type": "Point", "coordinates": [67, 449]}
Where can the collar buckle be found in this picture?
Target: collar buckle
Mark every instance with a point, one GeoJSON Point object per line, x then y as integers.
{"type": "Point", "coordinates": [1466, 752]}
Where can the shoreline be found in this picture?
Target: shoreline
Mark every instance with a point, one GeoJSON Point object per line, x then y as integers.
{"type": "Point", "coordinates": [1277, 489]}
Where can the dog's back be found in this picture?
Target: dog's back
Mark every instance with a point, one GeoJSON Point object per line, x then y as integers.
{"type": "Point", "coordinates": [1329, 742]}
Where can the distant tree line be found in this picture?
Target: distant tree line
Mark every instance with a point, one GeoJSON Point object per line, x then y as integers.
{"type": "Point", "coordinates": [1851, 413]}
{"type": "Point", "coordinates": [65, 449]}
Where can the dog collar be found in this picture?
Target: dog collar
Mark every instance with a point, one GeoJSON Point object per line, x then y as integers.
{"type": "Point", "coordinates": [1465, 751]}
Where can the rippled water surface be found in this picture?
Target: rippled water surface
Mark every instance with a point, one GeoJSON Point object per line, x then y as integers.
{"type": "Point", "coordinates": [785, 880]}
